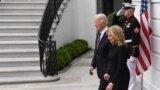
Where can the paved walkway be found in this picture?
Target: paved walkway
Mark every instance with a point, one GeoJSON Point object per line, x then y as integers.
{"type": "Point", "coordinates": [76, 77]}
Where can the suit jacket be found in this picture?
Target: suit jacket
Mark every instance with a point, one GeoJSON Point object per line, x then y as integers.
{"type": "Point", "coordinates": [117, 67]}
{"type": "Point", "coordinates": [100, 60]}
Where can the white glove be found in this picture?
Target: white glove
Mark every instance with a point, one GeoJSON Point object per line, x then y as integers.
{"type": "Point", "coordinates": [120, 12]}
{"type": "Point", "coordinates": [133, 58]}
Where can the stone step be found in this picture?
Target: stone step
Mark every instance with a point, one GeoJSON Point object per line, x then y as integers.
{"type": "Point", "coordinates": [24, 16]}
{"type": "Point", "coordinates": [18, 44]}
{"type": "Point", "coordinates": [29, 1]}
{"type": "Point", "coordinates": [23, 4]}
{"type": "Point", "coordinates": [28, 79]}
{"type": "Point", "coordinates": [22, 10]}
{"type": "Point", "coordinates": [18, 36]}
{"type": "Point", "coordinates": [19, 29]}
{"type": "Point", "coordinates": [22, 29]}
{"type": "Point", "coordinates": [26, 9]}
{"type": "Point", "coordinates": [14, 62]}
{"type": "Point", "coordinates": [20, 71]}
{"type": "Point", "coordinates": [20, 74]}
{"type": "Point", "coordinates": [24, 0]}
{"type": "Point", "coordinates": [13, 53]}
{"type": "Point", "coordinates": [34, 16]}
{"type": "Point", "coordinates": [20, 22]}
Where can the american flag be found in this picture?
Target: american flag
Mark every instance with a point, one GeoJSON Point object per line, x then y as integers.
{"type": "Point", "coordinates": [144, 59]}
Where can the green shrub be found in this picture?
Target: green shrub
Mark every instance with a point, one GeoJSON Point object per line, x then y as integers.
{"type": "Point", "coordinates": [73, 53]}
{"type": "Point", "coordinates": [68, 52]}
{"type": "Point", "coordinates": [80, 45]}
{"type": "Point", "coordinates": [83, 44]}
{"type": "Point", "coordinates": [110, 18]}
{"type": "Point", "coordinates": [60, 60]}
{"type": "Point", "coordinates": [77, 47]}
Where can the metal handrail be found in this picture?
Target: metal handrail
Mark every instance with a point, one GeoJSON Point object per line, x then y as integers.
{"type": "Point", "coordinates": [50, 14]}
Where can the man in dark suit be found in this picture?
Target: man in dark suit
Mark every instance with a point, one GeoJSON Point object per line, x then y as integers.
{"type": "Point", "coordinates": [101, 49]}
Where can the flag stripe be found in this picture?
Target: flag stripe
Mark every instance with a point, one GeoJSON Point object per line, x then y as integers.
{"type": "Point", "coordinates": [141, 60]}
{"type": "Point", "coordinates": [139, 68]}
{"type": "Point", "coordinates": [146, 14]}
{"type": "Point", "coordinates": [145, 41]}
{"type": "Point", "coordinates": [137, 71]}
{"type": "Point", "coordinates": [144, 59]}
{"type": "Point", "coordinates": [144, 29]}
{"type": "Point", "coordinates": [147, 53]}
{"type": "Point", "coordinates": [145, 21]}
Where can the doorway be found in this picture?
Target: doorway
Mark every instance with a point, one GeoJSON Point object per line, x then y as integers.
{"type": "Point", "coordinates": [105, 6]}
{"type": "Point", "coordinates": [109, 6]}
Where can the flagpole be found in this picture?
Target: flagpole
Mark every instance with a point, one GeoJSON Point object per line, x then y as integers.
{"type": "Point", "coordinates": [142, 82]}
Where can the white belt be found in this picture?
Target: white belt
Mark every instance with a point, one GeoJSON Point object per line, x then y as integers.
{"type": "Point", "coordinates": [128, 41]}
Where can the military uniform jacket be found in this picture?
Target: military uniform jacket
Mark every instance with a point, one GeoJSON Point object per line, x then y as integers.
{"type": "Point", "coordinates": [131, 29]}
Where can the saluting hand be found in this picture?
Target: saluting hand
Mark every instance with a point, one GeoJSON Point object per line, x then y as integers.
{"type": "Point", "coordinates": [120, 12]}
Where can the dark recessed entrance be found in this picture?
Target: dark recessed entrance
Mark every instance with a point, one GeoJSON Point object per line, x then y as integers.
{"type": "Point", "coordinates": [109, 6]}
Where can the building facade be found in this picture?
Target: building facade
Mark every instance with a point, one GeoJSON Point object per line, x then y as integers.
{"type": "Point", "coordinates": [81, 22]}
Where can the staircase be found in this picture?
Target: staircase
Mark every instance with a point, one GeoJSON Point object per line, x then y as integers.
{"type": "Point", "coordinates": [19, 54]}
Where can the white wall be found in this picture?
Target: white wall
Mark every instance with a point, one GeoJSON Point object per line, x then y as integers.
{"type": "Point", "coordinates": [152, 76]}
{"type": "Point", "coordinates": [117, 5]}
{"type": "Point", "coordinates": [77, 22]}
{"type": "Point", "coordinates": [65, 31]}
{"type": "Point", "coordinates": [85, 10]}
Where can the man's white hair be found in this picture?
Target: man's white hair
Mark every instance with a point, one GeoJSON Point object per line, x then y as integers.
{"type": "Point", "coordinates": [102, 16]}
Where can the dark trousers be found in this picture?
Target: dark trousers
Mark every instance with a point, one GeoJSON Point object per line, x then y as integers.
{"type": "Point", "coordinates": [103, 84]}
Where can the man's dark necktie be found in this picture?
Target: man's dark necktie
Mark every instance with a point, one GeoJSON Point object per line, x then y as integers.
{"type": "Point", "coordinates": [98, 39]}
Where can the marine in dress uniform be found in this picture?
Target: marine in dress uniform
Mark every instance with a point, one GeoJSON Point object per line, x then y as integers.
{"type": "Point", "coordinates": [131, 29]}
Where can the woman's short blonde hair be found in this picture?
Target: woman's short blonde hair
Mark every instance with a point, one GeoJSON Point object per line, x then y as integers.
{"type": "Point", "coordinates": [118, 34]}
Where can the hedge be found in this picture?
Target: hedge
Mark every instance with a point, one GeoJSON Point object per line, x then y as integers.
{"type": "Point", "coordinates": [69, 52]}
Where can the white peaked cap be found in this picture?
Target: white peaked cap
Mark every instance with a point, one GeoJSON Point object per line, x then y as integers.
{"type": "Point", "coordinates": [129, 5]}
